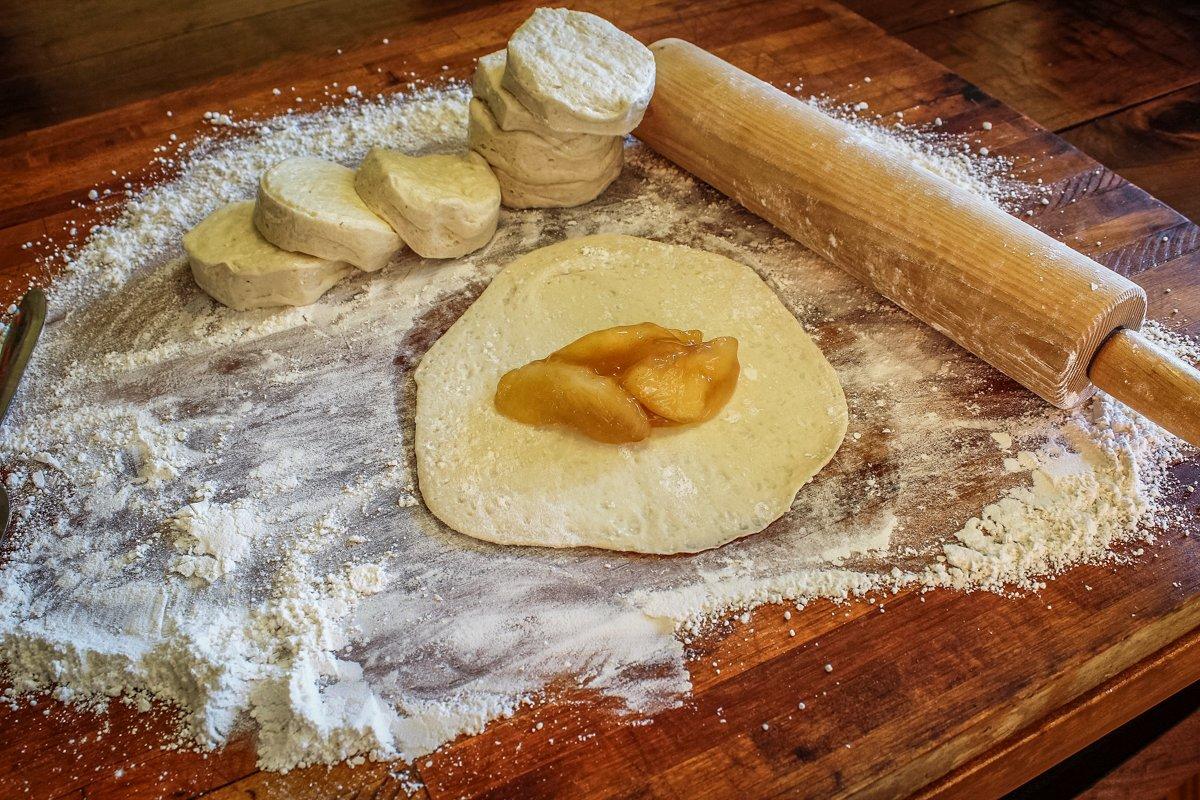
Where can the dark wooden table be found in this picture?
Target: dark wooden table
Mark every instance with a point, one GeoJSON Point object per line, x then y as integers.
{"type": "Point", "coordinates": [998, 690]}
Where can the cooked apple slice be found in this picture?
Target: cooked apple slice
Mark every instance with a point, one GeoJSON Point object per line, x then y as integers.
{"type": "Point", "coordinates": [613, 350]}
{"type": "Point", "coordinates": [548, 392]}
{"type": "Point", "coordinates": [687, 383]}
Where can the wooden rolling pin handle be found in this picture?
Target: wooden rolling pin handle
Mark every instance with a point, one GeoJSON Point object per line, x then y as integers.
{"type": "Point", "coordinates": [1149, 380]}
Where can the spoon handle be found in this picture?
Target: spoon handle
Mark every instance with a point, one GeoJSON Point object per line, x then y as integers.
{"type": "Point", "coordinates": [18, 345]}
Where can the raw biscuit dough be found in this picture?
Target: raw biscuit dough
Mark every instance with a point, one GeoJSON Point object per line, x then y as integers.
{"type": "Point", "coordinates": [682, 490]}
{"type": "Point", "coordinates": [579, 73]}
{"type": "Point", "coordinates": [238, 267]}
{"type": "Point", "coordinates": [508, 111]}
{"type": "Point", "coordinates": [536, 160]}
{"type": "Point", "coordinates": [443, 206]}
{"type": "Point", "coordinates": [518, 193]}
{"type": "Point", "coordinates": [309, 205]}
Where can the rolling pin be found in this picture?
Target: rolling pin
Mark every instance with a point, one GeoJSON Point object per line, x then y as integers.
{"type": "Point", "coordinates": [1048, 317]}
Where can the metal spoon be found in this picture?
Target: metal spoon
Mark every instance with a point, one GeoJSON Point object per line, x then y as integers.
{"type": "Point", "coordinates": [14, 355]}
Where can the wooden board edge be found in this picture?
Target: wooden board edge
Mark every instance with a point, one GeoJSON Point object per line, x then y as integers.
{"type": "Point", "coordinates": [1073, 726]}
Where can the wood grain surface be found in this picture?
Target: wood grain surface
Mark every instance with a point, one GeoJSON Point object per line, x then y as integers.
{"type": "Point", "coordinates": [945, 694]}
{"type": "Point", "coordinates": [1166, 763]}
{"type": "Point", "coordinates": [1156, 141]}
{"type": "Point", "coordinates": [1071, 66]}
{"type": "Point", "coordinates": [1037, 51]}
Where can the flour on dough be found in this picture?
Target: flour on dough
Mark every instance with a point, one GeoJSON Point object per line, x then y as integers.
{"type": "Point", "coordinates": [443, 206]}
{"type": "Point", "coordinates": [537, 160]}
{"type": "Point", "coordinates": [579, 73]}
{"type": "Point", "coordinates": [309, 205]}
{"type": "Point", "coordinates": [238, 267]}
{"type": "Point", "coordinates": [683, 489]}
{"type": "Point", "coordinates": [507, 109]}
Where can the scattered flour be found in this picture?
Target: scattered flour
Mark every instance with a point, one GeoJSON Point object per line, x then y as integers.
{"type": "Point", "coordinates": [211, 538]}
{"type": "Point", "coordinates": [1092, 485]}
{"type": "Point", "coordinates": [985, 176]}
{"type": "Point", "coordinates": [187, 479]}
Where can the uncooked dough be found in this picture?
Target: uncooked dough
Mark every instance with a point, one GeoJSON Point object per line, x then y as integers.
{"type": "Point", "coordinates": [238, 267]}
{"type": "Point", "coordinates": [682, 490]}
{"type": "Point", "coordinates": [508, 111]}
{"type": "Point", "coordinates": [517, 193]}
{"type": "Point", "coordinates": [579, 73]}
{"type": "Point", "coordinates": [309, 205]}
{"type": "Point", "coordinates": [535, 159]}
{"type": "Point", "coordinates": [443, 206]}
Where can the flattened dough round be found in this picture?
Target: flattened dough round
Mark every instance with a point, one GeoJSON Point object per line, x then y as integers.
{"type": "Point", "coordinates": [443, 206]}
{"type": "Point", "coordinates": [683, 489]}
{"type": "Point", "coordinates": [238, 267]}
{"type": "Point", "coordinates": [579, 73]}
{"type": "Point", "coordinates": [518, 193]}
{"type": "Point", "coordinates": [308, 205]}
{"type": "Point", "coordinates": [508, 111]}
{"type": "Point", "coordinates": [539, 160]}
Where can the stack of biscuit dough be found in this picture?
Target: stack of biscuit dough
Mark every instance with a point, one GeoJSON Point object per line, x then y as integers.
{"type": "Point", "coordinates": [314, 222]}
{"type": "Point", "coordinates": [551, 111]}
{"type": "Point", "coordinates": [546, 127]}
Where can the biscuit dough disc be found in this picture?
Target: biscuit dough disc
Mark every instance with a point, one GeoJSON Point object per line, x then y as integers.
{"type": "Point", "coordinates": [443, 206]}
{"type": "Point", "coordinates": [516, 192]}
{"type": "Point", "coordinates": [308, 205]}
{"type": "Point", "coordinates": [238, 267]}
{"type": "Point", "coordinates": [508, 111]}
{"type": "Point", "coordinates": [682, 490]}
{"type": "Point", "coordinates": [538, 160]}
{"type": "Point", "coordinates": [578, 73]}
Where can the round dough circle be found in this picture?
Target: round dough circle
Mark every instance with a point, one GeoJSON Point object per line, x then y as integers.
{"type": "Point", "coordinates": [233, 263]}
{"type": "Point", "coordinates": [308, 205]}
{"type": "Point", "coordinates": [579, 73]}
{"type": "Point", "coordinates": [443, 206]}
{"type": "Point", "coordinates": [682, 490]}
{"type": "Point", "coordinates": [508, 111]}
{"type": "Point", "coordinates": [537, 160]}
{"type": "Point", "coordinates": [518, 193]}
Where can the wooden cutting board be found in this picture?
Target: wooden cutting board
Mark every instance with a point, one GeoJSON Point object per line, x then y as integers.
{"type": "Point", "coordinates": [951, 695]}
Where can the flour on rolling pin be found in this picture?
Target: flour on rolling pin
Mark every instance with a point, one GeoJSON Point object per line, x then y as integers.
{"type": "Point", "coordinates": [1022, 301]}
{"type": "Point", "coordinates": [197, 488]}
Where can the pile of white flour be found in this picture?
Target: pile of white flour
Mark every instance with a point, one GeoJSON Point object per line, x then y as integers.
{"type": "Point", "coordinates": [217, 508]}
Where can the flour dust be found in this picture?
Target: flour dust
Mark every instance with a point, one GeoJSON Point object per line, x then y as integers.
{"type": "Point", "coordinates": [217, 509]}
